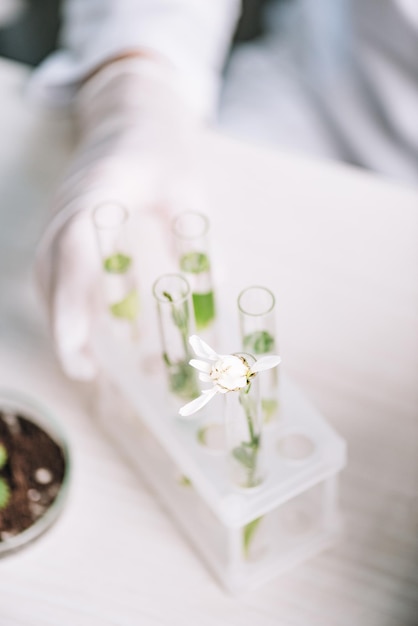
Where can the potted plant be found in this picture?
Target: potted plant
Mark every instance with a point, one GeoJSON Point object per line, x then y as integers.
{"type": "Point", "coordinates": [34, 469]}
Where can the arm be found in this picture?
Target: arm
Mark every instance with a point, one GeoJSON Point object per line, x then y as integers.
{"type": "Point", "coordinates": [141, 76]}
{"type": "Point", "coordinates": [193, 36]}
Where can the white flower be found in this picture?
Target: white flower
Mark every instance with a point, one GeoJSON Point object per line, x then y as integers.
{"type": "Point", "coordinates": [229, 372]}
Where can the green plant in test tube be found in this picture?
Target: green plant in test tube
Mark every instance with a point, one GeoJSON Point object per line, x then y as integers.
{"type": "Point", "coordinates": [257, 323]}
{"type": "Point", "coordinates": [172, 294]}
{"type": "Point", "coordinates": [243, 432]}
{"type": "Point", "coordinates": [235, 378]}
{"type": "Point", "coordinates": [190, 231]}
{"type": "Point", "coordinates": [111, 222]}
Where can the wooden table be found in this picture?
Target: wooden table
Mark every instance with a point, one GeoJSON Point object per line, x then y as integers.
{"type": "Point", "coordinates": [339, 248]}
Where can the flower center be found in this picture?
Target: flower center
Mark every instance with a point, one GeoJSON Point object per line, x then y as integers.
{"type": "Point", "coordinates": [230, 373]}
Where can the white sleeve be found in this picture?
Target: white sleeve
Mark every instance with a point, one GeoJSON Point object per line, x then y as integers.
{"type": "Point", "coordinates": [409, 8]}
{"type": "Point", "coordinates": [193, 35]}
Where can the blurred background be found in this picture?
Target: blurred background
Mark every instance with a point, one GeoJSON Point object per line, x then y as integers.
{"type": "Point", "coordinates": [28, 29]}
{"type": "Point", "coordinates": [332, 79]}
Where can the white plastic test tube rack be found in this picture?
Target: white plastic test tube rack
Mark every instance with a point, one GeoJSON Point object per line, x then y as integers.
{"type": "Point", "coordinates": [245, 537]}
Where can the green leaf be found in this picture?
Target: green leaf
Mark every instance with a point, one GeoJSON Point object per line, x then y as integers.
{"type": "Point", "coordinates": [3, 455]}
{"type": "Point", "coordinates": [127, 308]}
{"type": "Point", "coordinates": [259, 342]}
{"type": "Point", "coordinates": [117, 263]}
{"type": "Point", "coordinates": [4, 493]}
{"type": "Point", "coordinates": [182, 380]}
{"type": "Point", "coordinates": [270, 407]}
{"type": "Point", "coordinates": [245, 457]}
{"type": "Point", "coordinates": [184, 481]}
{"type": "Point", "coordinates": [248, 534]}
{"type": "Point", "coordinates": [204, 309]}
{"type": "Point", "coordinates": [194, 263]}
{"type": "Point", "coordinates": [201, 436]}
{"type": "Point", "coordinates": [253, 444]}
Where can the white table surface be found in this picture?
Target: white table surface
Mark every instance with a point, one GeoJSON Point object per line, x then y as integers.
{"type": "Point", "coordinates": [339, 248]}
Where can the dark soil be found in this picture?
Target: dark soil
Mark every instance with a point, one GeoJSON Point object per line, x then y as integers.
{"type": "Point", "coordinates": [34, 472]}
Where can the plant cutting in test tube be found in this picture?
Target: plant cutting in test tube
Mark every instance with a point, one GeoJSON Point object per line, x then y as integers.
{"type": "Point", "coordinates": [190, 231]}
{"type": "Point", "coordinates": [257, 322]}
{"type": "Point", "coordinates": [234, 376]}
{"type": "Point", "coordinates": [172, 293]}
{"type": "Point", "coordinates": [111, 223]}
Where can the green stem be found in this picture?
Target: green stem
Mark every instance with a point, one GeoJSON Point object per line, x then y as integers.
{"type": "Point", "coordinates": [247, 409]}
{"type": "Point", "coordinates": [181, 374]}
{"type": "Point", "coordinates": [247, 453]}
{"type": "Point", "coordinates": [179, 319]}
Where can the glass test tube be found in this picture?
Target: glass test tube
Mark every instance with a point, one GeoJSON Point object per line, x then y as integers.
{"type": "Point", "coordinates": [173, 298]}
{"type": "Point", "coordinates": [111, 221]}
{"type": "Point", "coordinates": [256, 306]}
{"type": "Point", "coordinates": [243, 429]}
{"type": "Point", "coordinates": [191, 238]}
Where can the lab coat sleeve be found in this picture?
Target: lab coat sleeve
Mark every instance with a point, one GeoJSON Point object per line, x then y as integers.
{"type": "Point", "coordinates": [409, 8]}
{"type": "Point", "coordinates": [192, 35]}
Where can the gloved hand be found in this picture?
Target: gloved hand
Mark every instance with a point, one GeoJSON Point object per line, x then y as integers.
{"type": "Point", "coordinates": [136, 134]}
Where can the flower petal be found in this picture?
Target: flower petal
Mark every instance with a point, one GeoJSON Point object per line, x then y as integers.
{"type": "Point", "coordinates": [202, 366]}
{"type": "Point", "coordinates": [230, 383]}
{"type": "Point", "coordinates": [202, 349]}
{"type": "Point", "coordinates": [205, 378]}
{"type": "Point", "coordinates": [265, 363]}
{"type": "Point", "coordinates": [198, 403]}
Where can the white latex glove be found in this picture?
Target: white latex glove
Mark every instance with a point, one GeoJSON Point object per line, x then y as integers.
{"type": "Point", "coordinates": [136, 133]}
